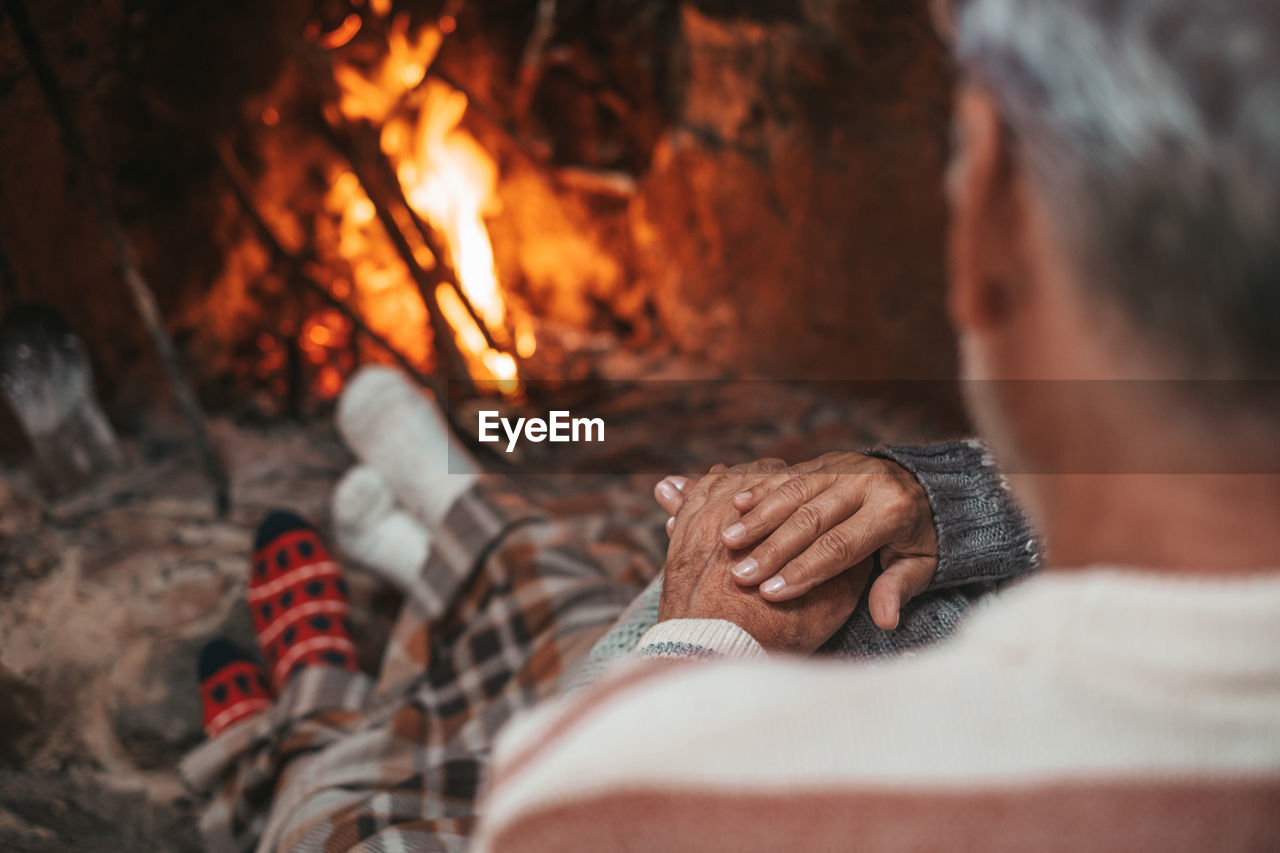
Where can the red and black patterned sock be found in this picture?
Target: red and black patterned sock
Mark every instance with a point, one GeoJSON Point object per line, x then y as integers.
{"type": "Point", "coordinates": [232, 685]}
{"type": "Point", "coordinates": [298, 598]}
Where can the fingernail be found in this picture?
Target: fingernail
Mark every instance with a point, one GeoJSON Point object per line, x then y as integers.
{"type": "Point", "coordinates": [773, 585]}
{"type": "Point", "coordinates": [671, 524]}
{"type": "Point", "coordinates": [735, 530]}
{"type": "Point", "coordinates": [667, 491]}
{"type": "Point", "coordinates": [745, 568]}
{"type": "Point", "coordinates": [679, 484]}
{"type": "Point", "coordinates": [742, 496]}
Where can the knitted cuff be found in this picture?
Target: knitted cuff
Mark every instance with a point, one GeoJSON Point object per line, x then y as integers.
{"type": "Point", "coordinates": [698, 638]}
{"type": "Point", "coordinates": [983, 536]}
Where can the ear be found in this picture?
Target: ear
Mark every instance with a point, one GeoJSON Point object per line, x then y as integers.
{"type": "Point", "coordinates": [987, 240]}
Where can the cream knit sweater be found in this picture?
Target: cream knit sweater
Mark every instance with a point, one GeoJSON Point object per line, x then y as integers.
{"type": "Point", "coordinates": [1095, 709]}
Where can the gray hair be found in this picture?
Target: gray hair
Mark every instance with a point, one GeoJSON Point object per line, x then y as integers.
{"type": "Point", "coordinates": [1152, 128]}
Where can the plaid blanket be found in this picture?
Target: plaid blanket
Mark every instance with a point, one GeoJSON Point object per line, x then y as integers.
{"type": "Point", "coordinates": [507, 605]}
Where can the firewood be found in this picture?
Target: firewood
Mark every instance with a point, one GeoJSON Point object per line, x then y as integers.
{"type": "Point", "coordinates": [362, 159]}
{"type": "Point", "coordinates": [531, 58]}
{"type": "Point", "coordinates": [360, 147]}
{"type": "Point", "coordinates": [296, 264]}
{"type": "Point", "coordinates": [357, 143]}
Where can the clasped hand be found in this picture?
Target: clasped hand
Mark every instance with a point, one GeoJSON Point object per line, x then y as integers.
{"type": "Point", "coordinates": [785, 552]}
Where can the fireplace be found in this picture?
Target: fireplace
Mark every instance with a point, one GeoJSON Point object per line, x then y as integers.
{"type": "Point", "coordinates": [672, 175]}
{"type": "Point", "coordinates": [717, 224]}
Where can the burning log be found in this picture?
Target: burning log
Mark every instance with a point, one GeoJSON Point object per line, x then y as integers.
{"type": "Point", "coordinates": [297, 266]}
{"type": "Point", "coordinates": [429, 202]}
{"type": "Point", "coordinates": [357, 143]}
{"type": "Point", "coordinates": [602, 182]}
{"type": "Point", "coordinates": [143, 299]}
{"type": "Point", "coordinates": [531, 58]}
{"type": "Point", "coordinates": [363, 156]}
{"type": "Point", "coordinates": [445, 271]}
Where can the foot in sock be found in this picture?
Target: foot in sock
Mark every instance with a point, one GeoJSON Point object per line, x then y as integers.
{"type": "Point", "coordinates": [298, 600]}
{"type": "Point", "coordinates": [398, 428]}
{"type": "Point", "coordinates": [370, 528]}
{"type": "Point", "coordinates": [233, 686]}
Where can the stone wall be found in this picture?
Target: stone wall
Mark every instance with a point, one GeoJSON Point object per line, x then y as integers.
{"type": "Point", "coordinates": [792, 218]}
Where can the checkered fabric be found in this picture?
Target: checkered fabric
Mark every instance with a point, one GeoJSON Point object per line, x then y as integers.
{"type": "Point", "coordinates": [507, 605]}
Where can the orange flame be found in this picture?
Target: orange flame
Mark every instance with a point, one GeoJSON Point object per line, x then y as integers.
{"type": "Point", "coordinates": [382, 292]}
{"type": "Point", "coordinates": [449, 180]}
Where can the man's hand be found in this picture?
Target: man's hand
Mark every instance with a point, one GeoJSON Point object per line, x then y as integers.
{"type": "Point", "coordinates": [697, 581]}
{"type": "Point", "coordinates": [810, 522]}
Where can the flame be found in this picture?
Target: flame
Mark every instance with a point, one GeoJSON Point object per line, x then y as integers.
{"type": "Point", "coordinates": [374, 95]}
{"type": "Point", "coordinates": [448, 179]}
{"type": "Point", "coordinates": [379, 287]}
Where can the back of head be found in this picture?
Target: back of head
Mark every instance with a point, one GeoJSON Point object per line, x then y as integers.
{"type": "Point", "coordinates": [1152, 129]}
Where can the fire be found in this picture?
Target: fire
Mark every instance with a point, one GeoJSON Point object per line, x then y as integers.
{"type": "Point", "coordinates": [254, 321]}
{"type": "Point", "coordinates": [450, 181]}
{"type": "Point", "coordinates": [378, 288]}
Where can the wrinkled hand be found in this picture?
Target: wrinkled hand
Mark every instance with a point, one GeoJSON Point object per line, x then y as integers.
{"type": "Point", "coordinates": [812, 521]}
{"type": "Point", "coordinates": [698, 583]}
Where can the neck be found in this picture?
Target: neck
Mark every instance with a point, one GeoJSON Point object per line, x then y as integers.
{"type": "Point", "coordinates": [1177, 523]}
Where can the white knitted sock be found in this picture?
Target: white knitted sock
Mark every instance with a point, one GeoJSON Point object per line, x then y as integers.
{"type": "Point", "coordinates": [374, 531]}
{"type": "Point", "coordinates": [398, 428]}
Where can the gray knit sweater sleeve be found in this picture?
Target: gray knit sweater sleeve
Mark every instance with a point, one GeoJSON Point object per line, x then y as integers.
{"type": "Point", "coordinates": [984, 541]}
{"type": "Point", "coordinates": [983, 537]}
